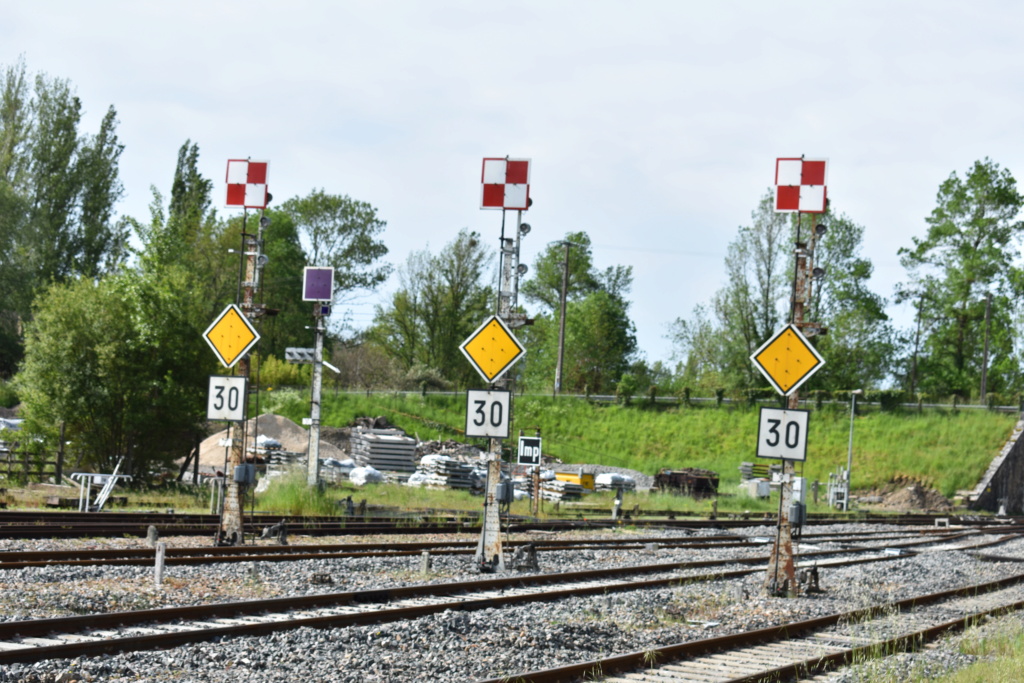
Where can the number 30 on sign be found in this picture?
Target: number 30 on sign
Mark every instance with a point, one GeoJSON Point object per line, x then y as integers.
{"type": "Point", "coordinates": [227, 399]}
{"type": "Point", "coordinates": [782, 434]}
{"type": "Point", "coordinates": [487, 413]}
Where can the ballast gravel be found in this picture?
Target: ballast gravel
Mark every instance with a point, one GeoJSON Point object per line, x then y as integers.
{"type": "Point", "coordinates": [468, 646]}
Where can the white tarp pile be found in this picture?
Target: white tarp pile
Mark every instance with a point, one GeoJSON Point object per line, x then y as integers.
{"type": "Point", "coordinates": [268, 442]}
{"type": "Point", "coordinates": [332, 469]}
{"type": "Point", "coordinates": [610, 481]}
{"type": "Point", "coordinates": [365, 475]}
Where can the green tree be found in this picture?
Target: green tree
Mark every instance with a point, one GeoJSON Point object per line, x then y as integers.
{"type": "Point", "coordinates": [746, 311]}
{"type": "Point", "coordinates": [341, 232]}
{"type": "Point", "coordinates": [716, 343]}
{"type": "Point", "coordinates": [441, 299]}
{"type": "Point", "coordinates": [58, 188]}
{"type": "Point", "coordinates": [545, 283]}
{"type": "Point", "coordinates": [969, 251]}
{"type": "Point", "coordinates": [116, 360]}
{"type": "Point", "coordinates": [859, 349]}
{"type": "Point", "coordinates": [282, 287]}
{"type": "Point", "coordinates": [600, 338]}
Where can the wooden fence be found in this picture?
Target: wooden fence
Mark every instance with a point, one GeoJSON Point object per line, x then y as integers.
{"type": "Point", "coordinates": [29, 465]}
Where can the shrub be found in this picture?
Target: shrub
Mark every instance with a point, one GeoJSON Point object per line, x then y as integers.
{"type": "Point", "coordinates": [8, 396]}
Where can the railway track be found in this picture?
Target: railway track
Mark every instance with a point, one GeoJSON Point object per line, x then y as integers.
{"type": "Point", "coordinates": [36, 640]}
{"type": "Point", "coordinates": [799, 649]}
{"type": "Point", "coordinates": [22, 524]}
{"type": "Point", "coordinates": [18, 559]}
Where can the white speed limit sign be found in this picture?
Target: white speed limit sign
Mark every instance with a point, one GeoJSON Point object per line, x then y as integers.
{"type": "Point", "coordinates": [227, 399]}
{"type": "Point", "coordinates": [782, 434]}
{"type": "Point", "coordinates": [487, 413]}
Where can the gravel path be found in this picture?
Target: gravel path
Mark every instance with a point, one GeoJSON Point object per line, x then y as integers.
{"type": "Point", "coordinates": [457, 646]}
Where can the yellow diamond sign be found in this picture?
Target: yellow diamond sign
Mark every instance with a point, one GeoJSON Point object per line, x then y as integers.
{"type": "Point", "coordinates": [492, 349]}
{"type": "Point", "coordinates": [787, 360]}
{"type": "Point", "coordinates": [231, 336]}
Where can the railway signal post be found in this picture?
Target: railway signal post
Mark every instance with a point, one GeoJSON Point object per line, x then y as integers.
{"type": "Point", "coordinates": [232, 336]}
{"type": "Point", "coordinates": [493, 348]}
{"type": "Point", "coordinates": [787, 360]}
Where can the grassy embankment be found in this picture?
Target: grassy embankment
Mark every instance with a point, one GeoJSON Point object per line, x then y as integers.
{"type": "Point", "coordinates": [944, 449]}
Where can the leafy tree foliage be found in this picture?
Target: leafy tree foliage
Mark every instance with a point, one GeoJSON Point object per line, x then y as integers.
{"type": "Point", "coordinates": [860, 345]}
{"type": "Point", "coordinates": [600, 338]}
{"type": "Point", "coordinates": [716, 342]}
{"type": "Point", "coordinates": [545, 283]}
{"type": "Point", "coordinates": [342, 232]}
{"type": "Point", "coordinates": [117, 361]}
{"type": "Point", "coordinates": [970, 250]}
{"type": "Point", "coordinates": [441, 299]}
{"type": "Point", "coordinates": [58, 188]}
{"type": "Point", "coordinates": [282, 286]}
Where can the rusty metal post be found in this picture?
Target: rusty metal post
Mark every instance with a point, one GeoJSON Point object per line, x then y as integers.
{"type": "Point", "coordinates": [231, 531]}
{"type": "Point", "coordinates": [489, 555]}
{"type": "Point", "coordinates": [781, 578]}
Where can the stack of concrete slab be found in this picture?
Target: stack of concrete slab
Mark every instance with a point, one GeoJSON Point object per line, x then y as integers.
{"type": "Point", "coordinates": [387, 450]}
{"type": "Point", "coordinates": [281, 461]}
{"type": "Point", "coordinates": [445, 472]}
{"type": "Point", "coordinates": [558, 490]}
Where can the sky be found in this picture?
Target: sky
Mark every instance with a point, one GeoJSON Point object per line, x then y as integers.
{"type": "Point", "coordinates": [651, 125]}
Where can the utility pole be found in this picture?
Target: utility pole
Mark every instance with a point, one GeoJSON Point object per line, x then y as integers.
{"type": "Point", "coordinates": [313, 452]}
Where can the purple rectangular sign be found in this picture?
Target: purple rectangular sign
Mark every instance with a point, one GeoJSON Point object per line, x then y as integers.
{"type": "Point", "coordinates": [317, 284]}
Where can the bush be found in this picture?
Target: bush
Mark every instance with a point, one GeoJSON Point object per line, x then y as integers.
{"type": "Point", "coordinates": [888, 399]}
{"type": "Point", "coordinates": [278, 373]}
{"type": "Point", "coordinates": [8, 396]}
{"type": "Point", "coordinates": [627, 387]}
{"type": "Point", "coordinates": [761, 395]}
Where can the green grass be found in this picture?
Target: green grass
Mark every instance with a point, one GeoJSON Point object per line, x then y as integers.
{"type": "Point", "coordinates": [946, 449]}
{"type": "Point", "coordinates": [1000, 652]}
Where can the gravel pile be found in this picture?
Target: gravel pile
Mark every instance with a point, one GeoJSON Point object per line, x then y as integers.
{"type": "Point", "coordinates": [463, 646]}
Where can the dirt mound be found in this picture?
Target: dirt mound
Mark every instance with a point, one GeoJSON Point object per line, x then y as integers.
{"type": "Point", "coordinates": [292, 437]}
{"type": "Point", "coordinates": [906, 495]}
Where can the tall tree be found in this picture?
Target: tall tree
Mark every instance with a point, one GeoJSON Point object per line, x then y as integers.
{"type": "Point", "coordinates": [119, 361]}
{"type": "Point", "coordinates": [715, 345]}
{"type": "Point", "coordinates": [747, 310]}
{"type": "Point", "coordinates": [58, 188]}
{"type": "Point", "coordinates": [282, 287]}
{"type": "Point", "coordinates": [441, 299]}
{"type": "Point", "coordinates": [969, 252]}
{"type": "Point", "coordinates": [545, 283]}
{"type": "Point", "coordinates": [860, 345]}
{"type": "Point", "coordinates": [338, 231]}
{"type": "Point", "coordinates": [600, 338]}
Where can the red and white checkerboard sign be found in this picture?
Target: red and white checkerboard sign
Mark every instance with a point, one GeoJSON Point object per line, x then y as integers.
{"type": "Point", "coordinates": [247, 183]}
{"type": "Point", "coordinates": [800, 185]}
{"type": "Point", "coordinates": [506, 184]}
